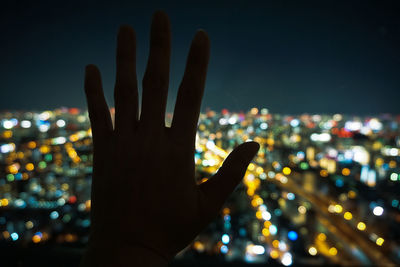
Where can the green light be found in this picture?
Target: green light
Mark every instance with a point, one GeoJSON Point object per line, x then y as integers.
{"type": "Point", "coordinates": [48, 157]}
{"type": "Point", "coordinates": [42, 165]}
{"type": "Point", "coordinates": [10, 177]}
{"type": "Point", "coordinates": [304, 165]}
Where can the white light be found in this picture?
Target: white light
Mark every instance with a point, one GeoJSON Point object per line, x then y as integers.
{"type": "Point", "coordinates": [287, 259]}
{"type": "Point", "coordinates": [264, 126]}
{"type": "Point", "coordinates": [232, 120]}
{"type": "Point", "coordinates": [59, 140]}
{"type": "Point", "coordinates": [294, 123]}
{"type": "Point", "coordinates": [7, 148]}
{"type": "Point", "coordinates": [44, 115]}
{"type": "Point", "coordinates": [223, 121]}
{"type": "Point", "coordinates": [375, 124]}
{"type": "Point", "coordinates": [210, 144]}
{"type": "Point", "coordinates": [291, 196]}
{"type": "Point", "coordinates": [272, 229]}
{"type": "Point", "coordinates": [8, 124]}
{"type": "Point", "coordinates": [282, 245]}
{"type": "Point", "coordinates": [353, 125]}
{"type": "Point", "coordinates": [360, 155]}
{"type": "Point", "coordinates": [323, 137]}
{"type": "Point", "coordinates": [60, 123]}
{"type": "Point", "coordinates": [225, 239]}
{"type": "Point", "coordinates": [26, 124]}
{"type": "Point", "coordinates": [258, 250]}
{"type": "Point", "coordinates": [378, 211]}
{"type": "Point", "coordinates": [44, 128]}
{"type": "Point", "coordinates": [266, 215]}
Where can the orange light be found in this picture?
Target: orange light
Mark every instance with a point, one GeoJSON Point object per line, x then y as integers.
{"type": "Point", "coordinates": [30, 167]}
{"type": "Point", "coordinates": [32, 145]}
{"type": "Point", "coordinates": [36, 239]}
{"type": "Point", "coordinates": [346, 172]}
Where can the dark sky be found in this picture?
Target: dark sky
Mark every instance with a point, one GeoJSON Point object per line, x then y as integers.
{"type": "Point", "coordinates": [289, 56]}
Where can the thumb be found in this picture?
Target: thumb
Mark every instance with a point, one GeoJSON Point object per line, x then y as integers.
{"type": "Point", "coordinates": [221, 185]}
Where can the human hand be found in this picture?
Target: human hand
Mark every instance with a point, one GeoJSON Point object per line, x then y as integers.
{"type": "Point", "coordinates": [146, 205]}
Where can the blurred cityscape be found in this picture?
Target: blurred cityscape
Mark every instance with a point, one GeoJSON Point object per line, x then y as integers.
{"type": "Point", "coordinates": [323, 189]}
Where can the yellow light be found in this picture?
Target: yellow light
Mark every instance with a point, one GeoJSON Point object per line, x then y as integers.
{"type": "Point", "coordinates": [380, 241]}
{"type": "Point", "coordinates": [286, 171]}
{"type": "Point", "coordinates": [30, 167]}
{"type": "Point", "coordinates": [379, 162]}
{"type": "Point", "coordinates": [251, 167]}
{"type": "Point", "coordinates": [205, 179]}
{"type": "Point", "coordinates": [361, 226]}
{"type": "Point", "coordinates": [392, 164]}
{"type": "Point", "coordinates": [274, 254]}
{"type": "Point", "coordinates": [322, 237]}
{"type": "Point", "coordinates": [313, 251]}
{"type": "Point", "coordinates": [333, 251]}
{"type": "Point", "coordinates": [259, 170]}
{"type": "Point", "coordinates": [323, 173]}
{"type": "Point", "coordinates": [348, 216]}
{"type": "Point", "coordinates": [265, 232]}
{"type": "Point", "coordinates": [44, 149]}
{"type": "Point", "coordinates": [338, 208]}
{"type": "Point", "coordinates": [275, 243]}
{"type": "Point", "coordinates": [250, 191]}
{"type": "Point", "coordinates": [198, 246]}
{"type": "Point", "coordinates": [13, 169]}
{"type": "Point", "coordinates": [7, 134]}
{"type": "Point", "coordinates": [346, 172]}
{"type": "Point", "coordinates": [267, 224]}
{"type": "Point", "coordinates": [302, 209]}
{"type": "Point", "coordinates": [36, 238]}
{"type": "Point", "coordinates": [4, 202]}
{"type": "Point", "coordinates": [259, 215]}
{"type": "Point", "coordinates": [88, 204]}
{"type": "Point", "coordinates": [29, 224]}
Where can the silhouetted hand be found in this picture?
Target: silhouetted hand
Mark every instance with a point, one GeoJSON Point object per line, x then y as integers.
{"type": "Point", "coordinates": [146, 205]}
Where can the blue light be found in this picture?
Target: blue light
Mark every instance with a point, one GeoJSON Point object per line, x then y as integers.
{"type": "Point", "coordinates": [227, 225]}
{"type": "Point", "coordinates": [339, 183]}
{"type": "Point", "coordinates": [242, 232]}
{"type": "Point", "coordinates": [395, 203]}
{"type": "Point", "coordinates": [292, 235]}
{"type": "Point", "coordinates": [14, 236]}
{"type": "Point", "coordinates": [225, 239]}
{"type": "Point", "coordinates": [227, 218]}
{"type": "Point", "coordinates": [278, 212]}
{"type": "Point", "coordinates": [54, 215]}
{"type": "Point", "coordinates": [224, 249]}
{"type": "Point", "coordinates": [290, 196]}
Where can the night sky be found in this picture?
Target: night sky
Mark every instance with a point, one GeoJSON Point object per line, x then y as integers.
{"type": "Point", "coordinates": [309, 57]}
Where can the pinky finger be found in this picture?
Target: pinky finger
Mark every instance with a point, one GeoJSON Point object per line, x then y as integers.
{"type": "Point", "coordinates": [99, 113]}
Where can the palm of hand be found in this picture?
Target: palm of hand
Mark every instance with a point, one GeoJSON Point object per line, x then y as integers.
{"type": "Point", "coordinates": [144, 189]}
